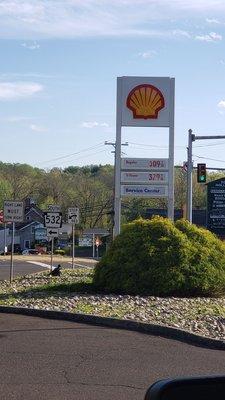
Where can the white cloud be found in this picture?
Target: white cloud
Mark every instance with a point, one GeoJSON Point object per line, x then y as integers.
{"type": "Point", "coordinates": [37, 19]}
{"type": "Point", "coordinates": [147, 54]}
{"type": "Point", "coordinates": [31, 46]}
{"type": "Point", "coordinates": [180, 32]}
{"type": "Point", "coordinates": [212, 21]}
{"type": "Point", "coordinates": [37, 128]}
{"type": "Point", "coordinates": [94, 124]}
{"type": "Point", "coordinates": [16, 119]}
{"type": "Point", "coordinates": [211, 37]}
{"type": "Point", "coordinates": [18, 90]}
{"type": "Point", "coordinates": [221, 104]}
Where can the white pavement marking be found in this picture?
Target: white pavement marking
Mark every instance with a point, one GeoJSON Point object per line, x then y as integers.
{"type": "Point", "coordinates": [40, 264]}
{"type": "Point", "coordinates": [81, 265]}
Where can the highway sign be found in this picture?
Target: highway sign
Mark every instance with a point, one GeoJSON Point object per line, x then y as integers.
{"type": "Point", "coordinates": [52, 219]}
{"type": "Point", "coordinates": [54, 208]}
{"type": "Point", "coordinates": [73, 215]}
{"type": "Point", "coordinates": [13, 211]}
{"type": "Point", "coordinates": [52, 232]}
{"type": "Point", "coordinates": [156, 164]}
{"type": "Point", "coordinates": [144, 191]}
{"type": "Point", "coordinates": [150, 178]}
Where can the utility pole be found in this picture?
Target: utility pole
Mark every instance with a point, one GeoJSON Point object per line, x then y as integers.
{"type": "Point", "coordinates": [115, 202]}
{"type": "Point", "coordinates": [189, 175]}
{"type": "Point", "coordinates": [192, 138]}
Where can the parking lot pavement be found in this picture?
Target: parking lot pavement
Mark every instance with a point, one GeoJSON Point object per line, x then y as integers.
{"type": "Point", "coordinates": [23, 265]}
{"type": "Point", "coordinates": [44, 359]}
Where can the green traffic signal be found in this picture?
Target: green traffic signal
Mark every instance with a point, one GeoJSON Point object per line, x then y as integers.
{"type": "Point", "coordinates": [201, 173]}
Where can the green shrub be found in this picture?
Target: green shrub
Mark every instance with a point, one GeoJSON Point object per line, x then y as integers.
{"type": "Point", "coordinates": [206, 273]}
{"type": "Point", "coordinates": [156, 257]}
{"type": "Point", "coordinates": [59, 252]}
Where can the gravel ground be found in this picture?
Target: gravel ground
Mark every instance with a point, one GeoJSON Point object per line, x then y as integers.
{"type": "Point", "coordinates": [204, 316]}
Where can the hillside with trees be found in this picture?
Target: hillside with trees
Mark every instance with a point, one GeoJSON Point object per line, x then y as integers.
{"type": "Point", "coordinates": [90, 188]}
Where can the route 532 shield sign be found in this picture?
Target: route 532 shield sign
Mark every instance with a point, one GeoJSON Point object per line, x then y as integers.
{"type": "Point", "coordinates": [53, 219]}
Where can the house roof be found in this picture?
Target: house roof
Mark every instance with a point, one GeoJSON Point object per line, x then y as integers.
{"type": "Point", "coordinates": [24, 225]}
{"type": "Point", "coordinates": [34, 208]}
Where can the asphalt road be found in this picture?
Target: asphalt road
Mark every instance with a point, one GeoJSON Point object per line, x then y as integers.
{"type": "Point", "coordinates": [43, 359]}
{"type": "Point", "coordinates": [24, 265]}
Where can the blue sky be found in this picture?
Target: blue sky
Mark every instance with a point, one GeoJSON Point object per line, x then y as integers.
{"type": "Point", "coordinates": [60, 60]}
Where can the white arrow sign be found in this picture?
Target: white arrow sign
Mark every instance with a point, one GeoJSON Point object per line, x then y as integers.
{"type": "Point", "coordinates": [73, 215]}
{"type": "Point", "coordinates": [52, 232]}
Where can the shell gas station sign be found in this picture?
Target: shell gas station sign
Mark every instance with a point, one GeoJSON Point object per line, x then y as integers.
{"type": "Point", "coordinates": [144, 102]}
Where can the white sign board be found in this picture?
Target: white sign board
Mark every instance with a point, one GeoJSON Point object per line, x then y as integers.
{"type": "Point", "coordinates": [144, 191]}
{"type": "Point", "coordinates": [54, 208]}
{"type": "Point", "coordinates": [85, 241]}
{"type": "Point", "coordinates": [40, 234]}
{"type": "Point", "coordinates": [150, 178]}
{"type": "Point", "coordinates": [73, 215]}
{"type": "Point", "coordinates": [156, 164]}
{"type": "Point", "coordinates": [52, 219]}
{"type": "Point", "coordinates": [13, 211]}
{"type": "Point", "coordinates": [52, 232]}
{"type": "Point", "coordinates": [146, 101]}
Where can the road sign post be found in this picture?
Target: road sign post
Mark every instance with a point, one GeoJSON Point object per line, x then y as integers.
{"type": "Point", "coordinates": [52, 250]}
{"type": "Point", "coordinates": [73, 245]}
{"type": "Point", "coordinates": [12, 253]}
{"type": "Point", "coordinates": [97, 243]}
{"type": "Point", "coordinates": [52, 221]}
{"type": "Point", "coordinates": [73, 218]}
{"type": "Point", "coordinates": [93, 245]}
{"type": "Point", "coordinates": [13, 212]}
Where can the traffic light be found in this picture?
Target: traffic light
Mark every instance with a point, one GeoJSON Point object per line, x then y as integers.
{"type": "Point", "coordinates": [201, 173]}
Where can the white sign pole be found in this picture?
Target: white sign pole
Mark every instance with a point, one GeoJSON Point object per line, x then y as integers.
{"type": "Point", "coordinates": [73, 248]}
{"type": "Point", "coordinates": [171, 153]}
{"type": "Point", "coordinates": [93, 245]}
{"type": "Point", "coordinates": [5, 244]}
{"type": "Point", "coordinates": [117, 195]}
{"type": "Point", "coordinates": [52, 249]}
{"type": "Point", "coordinates": [12, 252]}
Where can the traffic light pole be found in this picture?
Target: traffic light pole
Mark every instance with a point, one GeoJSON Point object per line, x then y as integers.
{"type": "Point", "coordinates": [189, 175]}
{"type": "Point", "coordinates": [192, 138]}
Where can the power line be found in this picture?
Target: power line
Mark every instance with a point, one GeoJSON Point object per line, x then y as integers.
{"type": "Point", "coordinates": [210, 145]}
{"type": "Point", "coordinates": [72, 154]}
{"type": "Point", "coordinates": [207, 158]}
{"type": "Point", "coordinates": [153, 145]}
{"type": "Point", "coordinates": [78, 158]}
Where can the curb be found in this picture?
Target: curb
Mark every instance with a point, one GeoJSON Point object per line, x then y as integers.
{"type": "Point", "coordinates": [151, 329]}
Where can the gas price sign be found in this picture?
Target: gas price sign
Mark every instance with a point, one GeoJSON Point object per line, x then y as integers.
{"type": "Point", "coordinates": [156, 164]}
{"type": "Point", "coordinates": [144, 177]}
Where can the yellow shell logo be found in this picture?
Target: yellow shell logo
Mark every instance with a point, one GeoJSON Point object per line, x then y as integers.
{"type": "Point", "coordinates": [145, 101]}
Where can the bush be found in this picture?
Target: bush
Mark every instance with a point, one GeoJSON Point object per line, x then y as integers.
{"type": "Point", "coordinates": [157, 257]}
{"type": "Point", "coordinates": [59, 252]}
